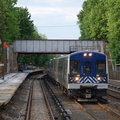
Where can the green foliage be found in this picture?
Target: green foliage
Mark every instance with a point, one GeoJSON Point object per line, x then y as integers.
{"type": "Point", "coordinates": [100, 20]}
{"type": "Point", "coordinates": [18, 25]}
{"type": "Point", "coordinates": [11, 24]}
{"type": "Point", "coordinates": [113, 15]}
{"type": "Point", "coordinates": [17, 22]}
{"type": "Point", "coordinates": [26, 24]}
{"type": "Point", "coordinates": [40, 60]}
{"type": "Point", "coordinates": [92, 20]}
{"type": "Point", "coordinates": [36, 35]}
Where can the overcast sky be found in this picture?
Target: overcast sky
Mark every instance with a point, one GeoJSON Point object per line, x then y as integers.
{"type": "Point", "coordinates": [57, 19]}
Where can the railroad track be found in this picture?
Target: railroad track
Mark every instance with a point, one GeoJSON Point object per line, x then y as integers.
{"type": "Point", "coordinates": [36, 111]}
{"type": "Point", "coordinates": [98, 111]}
{"type": "Point", "coordinates": [51, 114]}
{"type": "Point", "coordinates": [58, 103]}
{"type": "Point", "coordinates": [38, 106]}
{"type": "Point", "coordinates": [114, 87]}
{"type": "Point", "coordinates": [29, 103]}
{"type": "Point", "coordinates": [113, 94]}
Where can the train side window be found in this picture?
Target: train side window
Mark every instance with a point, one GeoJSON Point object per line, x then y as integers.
{"type": "Point", "coordinates": [87, 67]}
{"type": "Point", "coordinates": [74, 66]}
{"type": "Point", "coordinates": [60, 67]}
{"type": "Point", "coordinates": [100, 66]}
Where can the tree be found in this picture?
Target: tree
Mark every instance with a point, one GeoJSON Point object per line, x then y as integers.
{"type": "Point", "coordinates": [92, 20]}
{"type": "Point", "coordinates": [11, 24]}
{"type": "Point", "coordinates": [18, 25]}
{"type": "Point", "coordinates": [113, 15]}
{"type": "Point", "coordinates": [26, 25]}
{"type": "Point", "coordinates": [100, 20]}
{"type": "Point", "coordinates": [40, 60]}
{"type": "Point", "coordinates": [29, 31]}
{"type": "Point", "coordinates": [83, 21]}
{"type": "Point", "coordinates": [36, 35]}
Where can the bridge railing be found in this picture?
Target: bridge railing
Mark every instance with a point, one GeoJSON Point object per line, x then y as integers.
{"type": "Point", "coordinates": [84, 48]}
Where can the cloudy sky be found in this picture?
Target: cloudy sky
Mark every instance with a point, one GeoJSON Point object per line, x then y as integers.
{"type": "Point", "coordinates": [57, 19]}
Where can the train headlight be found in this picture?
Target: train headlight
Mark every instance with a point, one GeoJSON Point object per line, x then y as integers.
{"type": "Point", "coordinates": [90, 54]}
{"type": "Point", "coordinates": [98, 78]}
{"type": "Point", "coordinates": [85, 54]}
{"type": "Point", "coordinates": [76, 79]}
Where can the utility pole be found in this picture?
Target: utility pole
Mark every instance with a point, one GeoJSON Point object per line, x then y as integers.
{"type": "Point", "coordinates": [1, 40]}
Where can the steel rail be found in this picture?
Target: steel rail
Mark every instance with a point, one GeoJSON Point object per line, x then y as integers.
{"type": "Point", "coordinates": [65, 114]}
{"type": "Point", "coordinates": [29, 104]}
{"type": "Point", "coordinates": [114, 87]}
{"type": "Point", "coordinates": [100, 105]}
{"type": "Point", "coordinates": [84, 109]}
{"type": "Point", "coordinates": [108, 110]}
{"type": "Point", "coordinates": [113, 95]}
{"type": "Point", "coordinates": [47, 102]}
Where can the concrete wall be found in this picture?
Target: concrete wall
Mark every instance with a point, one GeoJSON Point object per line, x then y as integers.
{"type": "Point", "coordinates": [10, 60]}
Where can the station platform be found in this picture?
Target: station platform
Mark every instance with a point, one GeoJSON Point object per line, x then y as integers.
{"type": "Point", "coordinates": [9, 85]}
{"type": "Point", "coordinates": [114, 82]}
{"type": "Point", "coordinates": [114, 85]}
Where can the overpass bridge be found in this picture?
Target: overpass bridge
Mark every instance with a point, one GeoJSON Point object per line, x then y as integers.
{"type": "Point", "coordinates": [57, 46]}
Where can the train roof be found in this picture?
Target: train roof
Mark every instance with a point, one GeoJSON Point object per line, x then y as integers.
{"type": "Point", "coordinates": [81, 52]}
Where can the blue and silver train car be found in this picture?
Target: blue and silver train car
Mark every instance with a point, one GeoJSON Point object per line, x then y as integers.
{"type": "Point", "coordinates": [83, 74]}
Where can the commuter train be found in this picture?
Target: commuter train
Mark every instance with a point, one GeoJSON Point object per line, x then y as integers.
{"type": "Point", "coordinates": [83, 75]}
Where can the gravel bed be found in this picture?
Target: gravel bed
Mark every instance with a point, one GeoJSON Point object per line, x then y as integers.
{"type": "Point", "coordinates": [15, 109]}
{"type": "Point", "coordinates": [56, 111]}
{"type": "Point", "coordinates": [75, 112]}
{"type": "Point", "coordinates": [113, 105]}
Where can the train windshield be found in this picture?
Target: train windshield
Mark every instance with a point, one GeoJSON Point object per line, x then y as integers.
{"type": "Point", "coordinates": [100, 66]}
{"type": "Point", "coordinates": [87, 67]}
{"type": "Point", "coordinates": [74, 66]}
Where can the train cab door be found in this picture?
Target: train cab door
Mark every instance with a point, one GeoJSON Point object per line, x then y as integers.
{"type": "Point", "coordinates": [87, 68]}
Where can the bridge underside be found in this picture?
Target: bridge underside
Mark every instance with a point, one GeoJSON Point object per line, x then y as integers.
{"type": "Point", "coordinates": [57, 46]}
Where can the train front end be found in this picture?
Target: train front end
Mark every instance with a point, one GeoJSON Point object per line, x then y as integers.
{"type": "Point", "coordinates": [88, 75]}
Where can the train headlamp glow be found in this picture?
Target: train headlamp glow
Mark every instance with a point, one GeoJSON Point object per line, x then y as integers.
{"type": "Point", "coordinates": [98, 78]}
{"type": "Point", "coordinates": [74, 79]}
{"type": "Point", "coordinates": [77, 78]}
{"type": "Point", "coordinates": [85, 54]}
{"type": "Point", "coordinates": [90, 54]}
